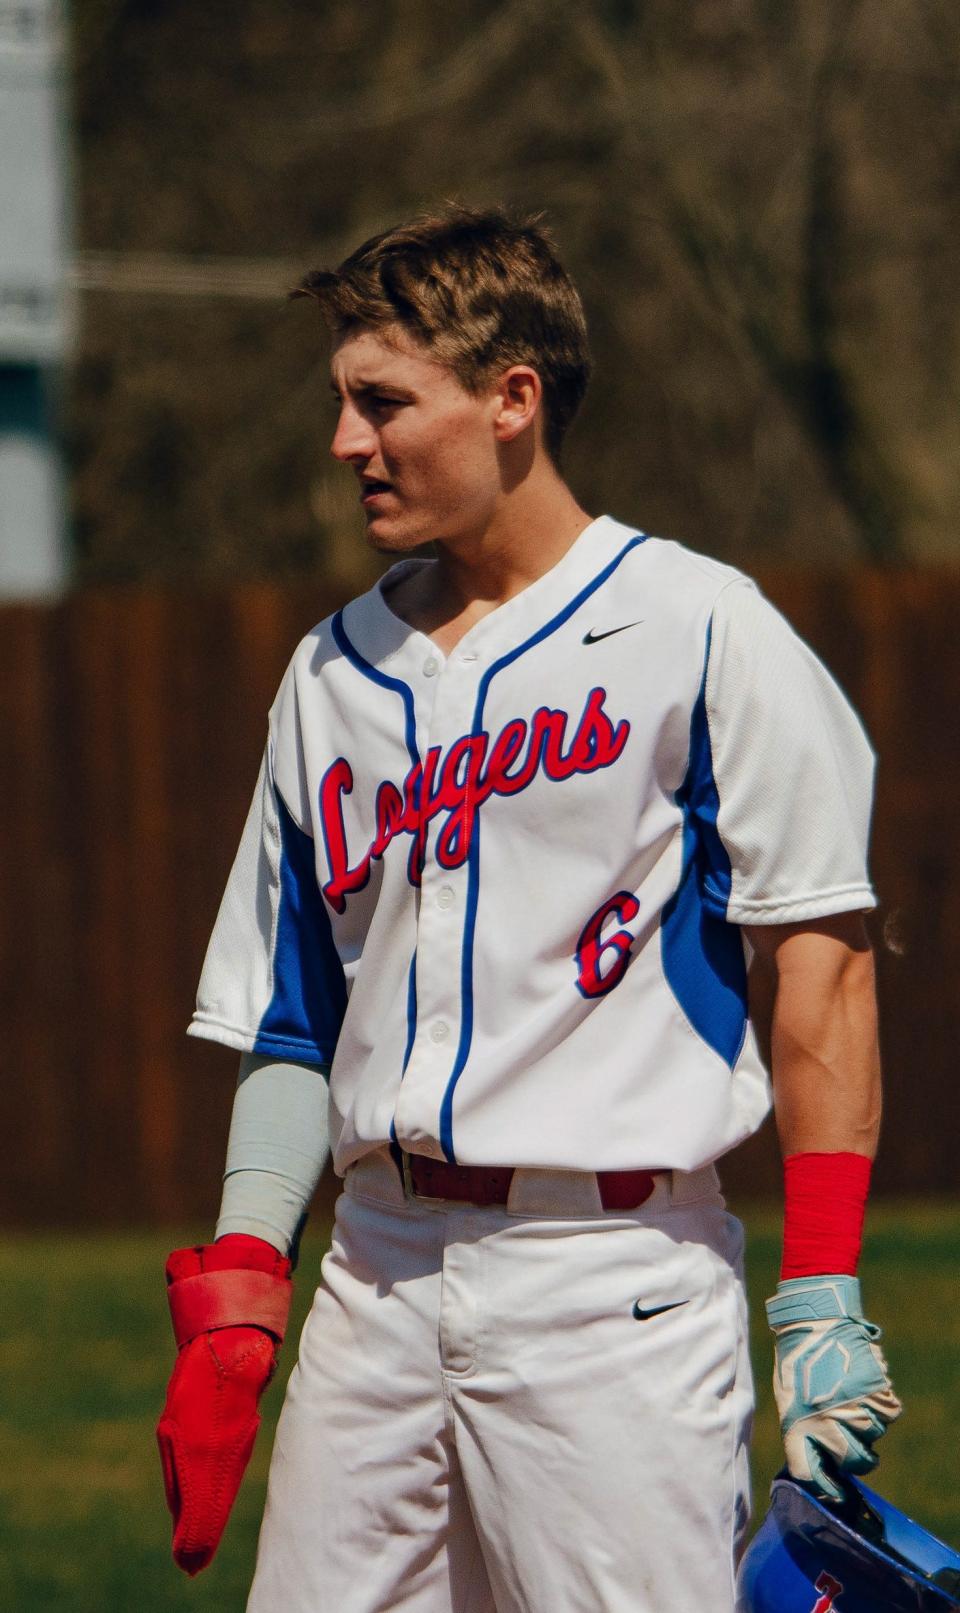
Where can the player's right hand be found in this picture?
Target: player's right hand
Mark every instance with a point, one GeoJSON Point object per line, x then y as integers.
{"type": "Point", "coordinates": [229, 1303]}
{"type": "Point", "coordinates": [830, 1379]}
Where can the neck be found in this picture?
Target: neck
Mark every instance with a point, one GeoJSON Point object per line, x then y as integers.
{"type": "Point", "coordinates": [530, 530]}
{"type": "Point", "coordinates": [533, 524]}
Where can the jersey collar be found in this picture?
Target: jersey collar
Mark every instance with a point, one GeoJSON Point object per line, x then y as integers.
{"type": "Point", "coordinates": [383, 637]}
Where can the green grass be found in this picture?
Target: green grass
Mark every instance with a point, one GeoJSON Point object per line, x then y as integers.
{"type": "Point", "coordinates": [87, 1347]}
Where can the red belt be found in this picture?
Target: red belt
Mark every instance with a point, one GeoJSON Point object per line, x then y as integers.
{"type": "Point", "coordinates": [490, 1184]}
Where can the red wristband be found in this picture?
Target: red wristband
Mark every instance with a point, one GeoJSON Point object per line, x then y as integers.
{"type": "Point", "coordinates": [825, 1197]}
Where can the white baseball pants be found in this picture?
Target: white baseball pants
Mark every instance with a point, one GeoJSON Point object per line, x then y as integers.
{"type": "Point", "coordinates": [480, 1421]}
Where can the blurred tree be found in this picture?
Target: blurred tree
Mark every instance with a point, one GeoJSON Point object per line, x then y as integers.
{"type": "Point", "coordinates": [757, 197]}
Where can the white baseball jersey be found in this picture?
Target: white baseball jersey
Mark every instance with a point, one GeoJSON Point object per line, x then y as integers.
{"type": "Point", "coordinates": [503, 890]}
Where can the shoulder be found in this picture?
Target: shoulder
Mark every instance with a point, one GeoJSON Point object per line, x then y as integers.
{"type": "Point", "coordinates": [355, 629]}
{"type": "Point", "coordinates": [338, 665]}
{"type": "Point", "coordinates": [699, 572]}
{"type": "Point", "coordinates": [760, 669]}
{"type": "Point", "coordinates": [737, 638]}
{"type": "Point", "coordinates": [681, 586]}
{"type": "Point", "coordinates": [668, 564]}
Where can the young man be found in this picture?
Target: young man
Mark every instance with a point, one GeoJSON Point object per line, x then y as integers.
{"type": "Point", "coordinates": [527, 812]}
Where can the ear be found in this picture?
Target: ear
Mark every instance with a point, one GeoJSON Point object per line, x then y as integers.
{"type": "Point", "coordinates": [519, 392]}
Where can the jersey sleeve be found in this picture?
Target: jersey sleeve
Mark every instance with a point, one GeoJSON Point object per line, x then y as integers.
{"type": "Point", "coordinates": [272, 980]}
{"type": "Point", "coordinates": [784, 779]}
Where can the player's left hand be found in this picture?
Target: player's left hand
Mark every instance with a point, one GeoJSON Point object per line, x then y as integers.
{"type": "Point", "coordinates": [229, 1303]}
{"type": "Point", "coordinates": [830, 1379]}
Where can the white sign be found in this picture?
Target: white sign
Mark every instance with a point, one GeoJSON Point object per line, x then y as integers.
{"type": "Point", "coordinates": [34, 307]}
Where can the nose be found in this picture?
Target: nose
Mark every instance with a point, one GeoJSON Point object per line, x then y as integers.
{"type": "Point", "coordinates": [353, 438]}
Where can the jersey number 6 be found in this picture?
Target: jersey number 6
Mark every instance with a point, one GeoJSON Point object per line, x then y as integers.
{"type": "Point", "coordinates": [595, 977]}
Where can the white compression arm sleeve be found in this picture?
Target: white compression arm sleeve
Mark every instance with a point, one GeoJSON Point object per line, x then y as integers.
{"type": "Point", "coordinates": [278, 1146]}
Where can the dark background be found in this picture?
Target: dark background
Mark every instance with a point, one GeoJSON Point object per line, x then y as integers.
{"type": "Point", "coordinates": [761, 202]}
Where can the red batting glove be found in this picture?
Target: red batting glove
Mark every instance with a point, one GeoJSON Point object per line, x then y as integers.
{"type": "Point", "coordinates": [229, 1303]}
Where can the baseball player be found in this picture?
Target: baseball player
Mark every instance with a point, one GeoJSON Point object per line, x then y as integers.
{"type": "Point", "coordinates": [533, 815]}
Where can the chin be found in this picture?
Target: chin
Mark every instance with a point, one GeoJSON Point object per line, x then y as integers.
{"type": "Point", "coordinates": [396, 541]}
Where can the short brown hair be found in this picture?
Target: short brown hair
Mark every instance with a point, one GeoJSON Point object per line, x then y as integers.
{"type": "Point", "coordinates": [482, 289]}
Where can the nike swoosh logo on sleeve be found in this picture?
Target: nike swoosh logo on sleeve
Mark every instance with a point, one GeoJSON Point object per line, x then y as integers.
{"type": "Point", "coordinates": [594, 638]}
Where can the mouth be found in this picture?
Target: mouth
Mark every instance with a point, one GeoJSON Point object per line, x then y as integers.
{"type": "Point", "coordinates": [372, 489]}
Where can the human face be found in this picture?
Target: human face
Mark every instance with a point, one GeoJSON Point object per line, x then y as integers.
{"type": "Point", "coordinates": [423, 449]}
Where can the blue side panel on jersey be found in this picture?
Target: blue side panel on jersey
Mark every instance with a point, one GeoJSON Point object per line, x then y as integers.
{"type": "Point", "coordinates": [411, 1009]}
{"type": "Point", "coordinates": [702, 954]}
{"type": "Point", "coordinates": [305, 1013]}
{"type": "Point", "coordinates": [473, 864]}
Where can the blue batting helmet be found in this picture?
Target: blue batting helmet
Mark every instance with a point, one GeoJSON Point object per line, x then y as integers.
{"type": "Point", "coordinates": [858, 1556]}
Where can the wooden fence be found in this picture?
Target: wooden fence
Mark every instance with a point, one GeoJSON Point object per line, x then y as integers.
{"type": "Point", "coordinates": [131, 725]}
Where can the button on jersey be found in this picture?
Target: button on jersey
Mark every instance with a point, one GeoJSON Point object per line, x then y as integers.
{"type": "Point", "coordinates": [502, 890]}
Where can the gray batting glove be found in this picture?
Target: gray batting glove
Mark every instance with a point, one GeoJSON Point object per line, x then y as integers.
{"type": "Point", "coordinates": [830, 1379]}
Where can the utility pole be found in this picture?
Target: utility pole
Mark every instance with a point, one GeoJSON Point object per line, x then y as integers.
{"type": "Point", "coordinates": [35, 307]}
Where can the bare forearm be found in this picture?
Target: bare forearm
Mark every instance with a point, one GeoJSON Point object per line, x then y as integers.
{"type": "Point", "coordinates": [823, 1045]}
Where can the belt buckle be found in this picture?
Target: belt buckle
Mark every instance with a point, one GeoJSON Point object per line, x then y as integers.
{"type": "Point", "coordinates": [410, 1189]}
